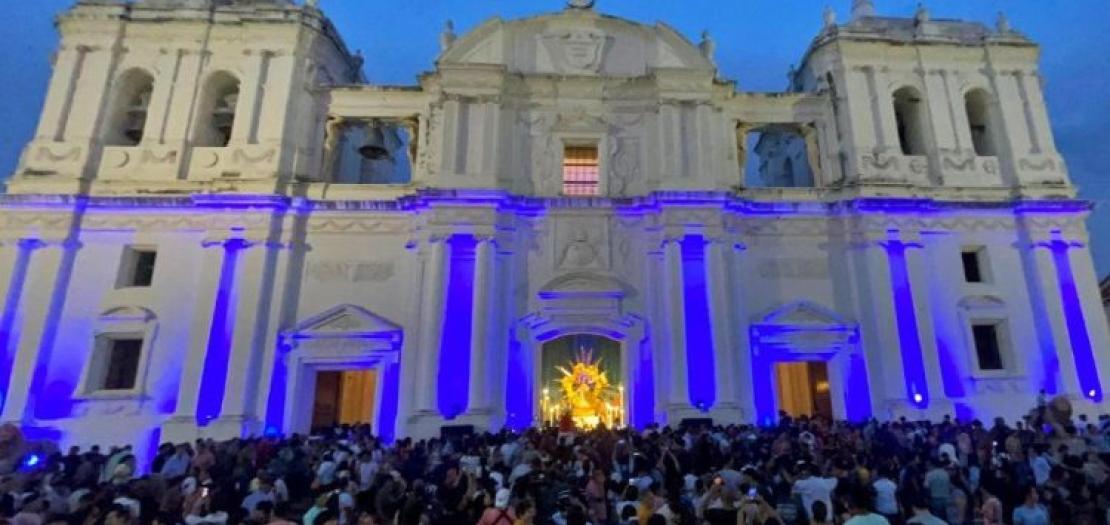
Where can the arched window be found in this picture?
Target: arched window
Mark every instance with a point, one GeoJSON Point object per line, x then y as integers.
{"type": "Point", "coordinates": [910, 117]}
{"type": "Point", "coordinates": [127, 122]}
{"type": "Point", "coordinates": [978, 105]}
{"type": "Point", "coordinates": [217, 111]}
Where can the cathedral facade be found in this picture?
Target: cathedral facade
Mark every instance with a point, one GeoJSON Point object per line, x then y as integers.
{"type": "Point", "coordinates": [220, 229]}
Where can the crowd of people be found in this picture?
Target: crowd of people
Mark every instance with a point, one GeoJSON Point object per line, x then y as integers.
{"type": "Point", "coordinates": [801, 471]}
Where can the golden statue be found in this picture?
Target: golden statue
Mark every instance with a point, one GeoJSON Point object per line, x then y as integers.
{"type": "Point", "coordinates": [588, 398]}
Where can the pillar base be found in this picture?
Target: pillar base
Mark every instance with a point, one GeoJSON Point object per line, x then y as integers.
{"type": "Point", "coordinates": [424, 424]}
{"type": "Point", "coordinates": [727, 414]}
{"type": "Point", "coordinates": [678, 411]}
{"type": "Point", "coordinates": [481, 418]}
{"type": "Point", "coordinates": [231, 427]}
{"type": "Point", "coordinates": [180, 429]}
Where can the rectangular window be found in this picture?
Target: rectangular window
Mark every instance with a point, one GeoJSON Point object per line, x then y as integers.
{"type": "Point", "coordinates": [581, 175]}
{"type": "Point", "coordinates": [137, 267]}
{"type": "Point", "coordinates": [123, 364]}
{"type": "Point", "coordinates": [987, 346]}
{"type": "Point", "coordinates": [973, 267]}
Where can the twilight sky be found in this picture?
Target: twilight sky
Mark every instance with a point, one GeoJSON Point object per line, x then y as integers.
{"type": "Point", "coordinates": [757, 40]}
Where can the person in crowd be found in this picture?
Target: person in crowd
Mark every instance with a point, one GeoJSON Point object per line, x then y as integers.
{"type": "Point", "coordinates": [797, 472]}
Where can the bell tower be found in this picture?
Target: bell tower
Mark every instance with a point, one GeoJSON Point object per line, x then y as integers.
{"type": "Point", "coordinates": [185, 96]}
{"type": "Point", "coordinates": [929, 103]}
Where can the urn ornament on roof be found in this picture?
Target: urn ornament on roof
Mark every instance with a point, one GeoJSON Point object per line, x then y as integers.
{"type": "Point", "coordinates": [580, 4]}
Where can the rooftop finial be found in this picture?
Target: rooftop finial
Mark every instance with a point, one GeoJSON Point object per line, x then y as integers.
{"type": "Point", "coordinates": [862, 8]}
{"type": "Point", "coordinates": [580, 4]}
{"type": "Point", "coordinates": [447, 37]}
{"type": "Point", "coordinates": [1003, 23]}
{"type": "Point", "coordinates": [708, 46]}
{"type": "Point", "coordinates": [829, 17]}
{"type": "Point", "coordinates": [312, 3]}
{"type": "Point", "coordinates": [922, 15]}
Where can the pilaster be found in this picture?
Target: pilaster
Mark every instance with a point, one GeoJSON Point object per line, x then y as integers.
{"type": "Point", "coordinates": [726, 408]}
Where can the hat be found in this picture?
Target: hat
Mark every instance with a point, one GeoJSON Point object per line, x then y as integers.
{"type": "Point", "coordinates": [501, 501]}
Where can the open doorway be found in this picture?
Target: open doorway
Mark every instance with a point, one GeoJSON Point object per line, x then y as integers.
{"type": "Point", "coordinates": [803, 388]}
{"type": "Point", "coordinates": [344, 398]}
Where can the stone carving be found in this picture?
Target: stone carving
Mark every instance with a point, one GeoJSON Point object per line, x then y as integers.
{"type": "Point", "coordinates": [580, 4]}
{"type": "Point", "coordinates": [879, 161]}
{"type": "Point", "coordinates": [708, 47]}
{"type": "Point", "coordinates": [578, 49]}
{"type": "Point", "coordinates": [958, 162]}
{"type": "Point", "coordinates": [919, 165]}
{"type": "Point", "coordinates": [351, 271]}
{"type": "Point", "coordinates": [579, 251]}
{"type": "Point", "coordinates": [241, 156]}
{"type": "Point", "coordinates": [150, 157]}
{"type": "Point", "coordinates": [48, 154]}
{"type": "Point", "coordinates": [625, 164]}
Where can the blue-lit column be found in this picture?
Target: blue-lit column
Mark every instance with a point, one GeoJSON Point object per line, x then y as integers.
{"type": "Point", "coordinates": [199, 398]}
{"type": "Point", "coordinates": [1076, 330]}
{"type": "Point", "coordinates": [16, 257]}
{"type": "Point", "coordinates": [255, 274]}
{"type": "Point", "coordinates": [906, 321]}
{"type": "Point", "coordinates": [389, 401]}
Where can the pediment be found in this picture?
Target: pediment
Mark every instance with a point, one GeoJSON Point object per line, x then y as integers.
{"type": "Point", "coordinates": [575, 42]}
{"type": "Point", "coordinates": [346, 321]}
{"type": "Point", "coordinates": [803, 314]}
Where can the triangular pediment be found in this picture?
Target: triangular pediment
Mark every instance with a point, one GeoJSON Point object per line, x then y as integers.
{"type": "Point", "coordinates": [803, 314]}
{"type": "Point", "coordinates": [346, 320]}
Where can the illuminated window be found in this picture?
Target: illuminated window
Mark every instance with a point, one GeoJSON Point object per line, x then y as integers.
{"type": "Point", "coordinates": [581, 176]}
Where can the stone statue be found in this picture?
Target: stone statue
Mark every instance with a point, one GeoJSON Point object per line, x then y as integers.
{"type": "Point", "coordinates": [708, 47]}
{"type": "Point", "coordinates": [829, 17]}
{"type": "Point", "coordinates": [1003, 23]}
{"type": "Point", "coordinates": [862, 8]}
{"type": "Point", "coordinates": [312, 3]}
{"type": "Point", "coordinates": [447, 37]}
{"type": "Point", "coordinates": [580, 4]}
{"type": "Point", "coordinates": [922, 14]}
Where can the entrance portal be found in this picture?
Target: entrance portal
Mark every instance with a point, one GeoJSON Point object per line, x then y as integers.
{"type": "Point", "coordinates": [582, 382]}
{"type": "Point", "coordinates": [803, 388]}
{"type": "Point", "coordinates": [344, 398]}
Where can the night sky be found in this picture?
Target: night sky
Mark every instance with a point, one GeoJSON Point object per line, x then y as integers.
{"type": "Point", "coordinates": [757, 41]}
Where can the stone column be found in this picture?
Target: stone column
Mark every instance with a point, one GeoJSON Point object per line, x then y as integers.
{"type": "Point", "coordinates": [183, 425]}
{"type": "Point", "coordinates": [254, 287]}
{"type": "Point", "coordinates": [18, 307]}
{"type": "Point", "coordinates": [727, 406]}
{"type": "Point", "coordinates": [432, 292]}
{"type": "Point", "coordinates": [678, 399]}
{"type": "Point", "coordinates": [478, 399]}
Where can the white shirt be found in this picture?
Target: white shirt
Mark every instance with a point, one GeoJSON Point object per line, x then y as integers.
{"type": "Point", "coordinates": [885, 501]}
{"type": "Point", "coordinates": [813, 489]}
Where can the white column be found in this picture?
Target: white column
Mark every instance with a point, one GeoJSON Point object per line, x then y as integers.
{"type": "Point", "coordinates": [182, 426]}
{"type": "Point", "coordinates": [478, 401]}
{"type": "Point", "coordinates": [726, 407]}
{"type": "Point", "coordinates": [250, 95]}
{"type": "Point", "coordinates": [254, 287]}
{"type": "Point", "coordinates": [674, 304]}
{"type": "Point", "coordinates": [431, 324]}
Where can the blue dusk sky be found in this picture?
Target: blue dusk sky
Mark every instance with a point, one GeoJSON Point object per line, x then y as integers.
{"type": "Point", "coordinates": [757, 41]}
